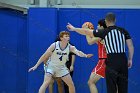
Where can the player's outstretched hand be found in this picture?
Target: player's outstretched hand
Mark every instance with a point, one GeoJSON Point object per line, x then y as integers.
{"type": "Point", "coordinates": [32, 68]}
{"type": "Point", "coordinates": [70, 27]}
{"type": "Point", "coordinates": [89, 55]}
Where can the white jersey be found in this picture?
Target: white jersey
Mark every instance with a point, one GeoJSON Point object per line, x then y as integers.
{"type": "Point", "coordinates": [59, 56]}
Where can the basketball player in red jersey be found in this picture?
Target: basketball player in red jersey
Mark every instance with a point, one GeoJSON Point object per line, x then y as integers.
{"type": "Point", "coordinates": [99, 71]}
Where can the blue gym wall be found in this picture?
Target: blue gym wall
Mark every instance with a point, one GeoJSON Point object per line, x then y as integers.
{"type": "Point", "coordinates": [13, 51]}
{"type": "Point", "coordinates": [42, 29]}
{"type": "Point", "coordinates": [24, 38]}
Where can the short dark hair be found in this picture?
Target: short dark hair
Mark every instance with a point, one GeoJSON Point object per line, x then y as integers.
{"type": "Point", "coordinates": [101, 22]}
{"type": "Point", "coordinates": [110, 17]}
{"type": "Point", "coordinates": [62, 33]}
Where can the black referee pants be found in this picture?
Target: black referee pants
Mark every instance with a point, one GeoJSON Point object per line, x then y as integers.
{"type": "Point", "coordinates": [117, 73]}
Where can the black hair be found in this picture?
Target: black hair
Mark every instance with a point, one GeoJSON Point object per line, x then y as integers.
{"type": "Point", "coordinates": [102, 23]}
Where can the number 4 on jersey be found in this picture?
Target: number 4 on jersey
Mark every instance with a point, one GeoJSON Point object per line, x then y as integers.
{"type": "Point", "coordinates": [61, 58]}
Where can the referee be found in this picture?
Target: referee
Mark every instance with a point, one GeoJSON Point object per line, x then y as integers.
{"type": "Point", "coordinates": [115, 38]}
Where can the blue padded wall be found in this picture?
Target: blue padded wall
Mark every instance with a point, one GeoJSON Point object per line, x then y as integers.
{"type": "Point", "coordinates": [132, 20]}
{"type": "Point", "coordinates": [13, 50]}
{"type": "Point", "coordinates": [42, 28]}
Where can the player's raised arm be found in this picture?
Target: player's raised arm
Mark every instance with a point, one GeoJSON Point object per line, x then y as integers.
{"type": "Point", "coordinates": [90, 40]}
{"type": "Point", "coordinates": [82, 31]}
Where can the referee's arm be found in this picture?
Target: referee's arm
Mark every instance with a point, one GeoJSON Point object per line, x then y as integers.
{"type": "Point", "coordinates": [130, 46]}
{"type": "Point", "coordinates": [130, 52]}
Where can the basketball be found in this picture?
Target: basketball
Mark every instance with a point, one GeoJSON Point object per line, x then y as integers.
{"type": "Point", "coordinates": [88, 25]}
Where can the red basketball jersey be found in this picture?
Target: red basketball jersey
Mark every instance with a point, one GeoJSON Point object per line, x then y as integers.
{"type": "Point", "coordinates": [101, 50]}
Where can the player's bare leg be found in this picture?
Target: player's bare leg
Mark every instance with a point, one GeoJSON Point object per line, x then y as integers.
{"type": "Point", "coordinates": [60, 85]}
{"type": "Point", "coordinates": [47, 80]}
{"type": "Point", "coordinates": [51, 86]}
{"type": "Point", "coordinates": [92, 82]}
{"type": "Point", "coordinates": [68, 80]}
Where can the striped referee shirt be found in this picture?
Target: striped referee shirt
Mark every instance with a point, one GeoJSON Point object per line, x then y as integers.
{"type": "Point", "coordinates": [114, 38]}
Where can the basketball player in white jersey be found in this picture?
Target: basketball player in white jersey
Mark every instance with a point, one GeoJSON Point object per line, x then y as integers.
{"type": "Point", "coordinates": [57, 55]}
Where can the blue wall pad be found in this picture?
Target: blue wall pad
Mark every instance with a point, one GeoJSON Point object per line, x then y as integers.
{"type": "Point", "coordinates": [42, 29]}
{"type": "Point", "coordinates": [13, 51]}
